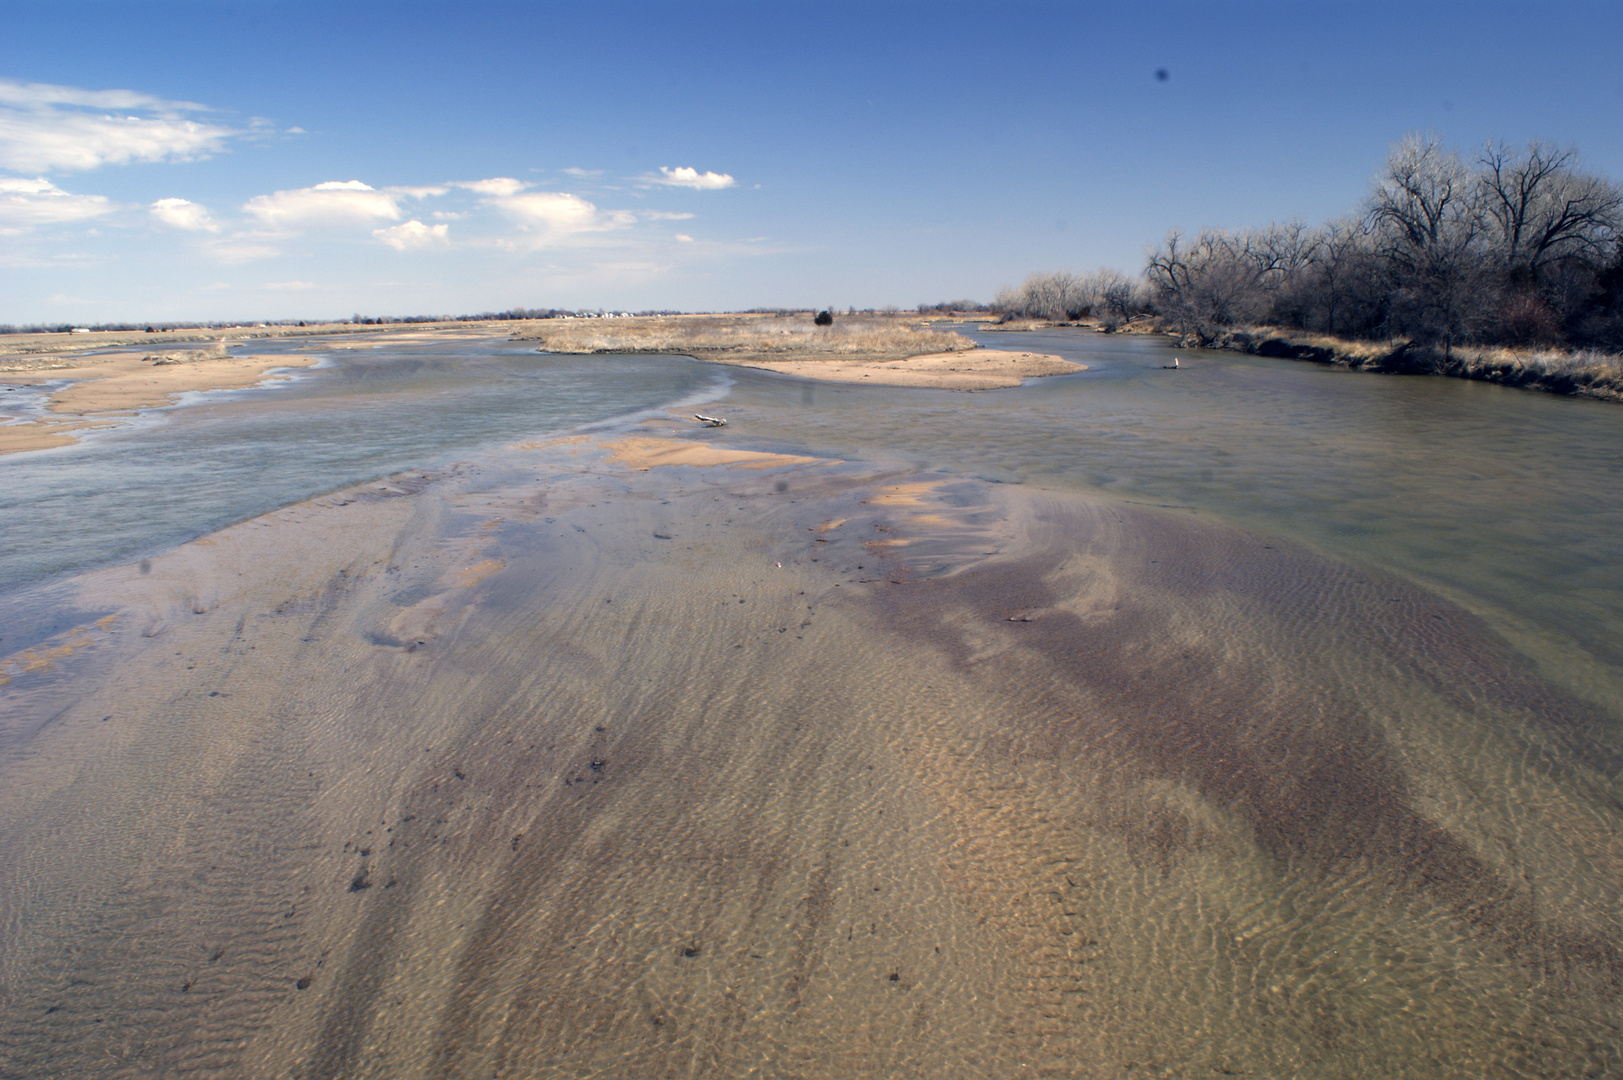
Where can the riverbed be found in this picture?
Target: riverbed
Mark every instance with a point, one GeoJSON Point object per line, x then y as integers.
{"type": "Point", "coordinates": [410, 719]}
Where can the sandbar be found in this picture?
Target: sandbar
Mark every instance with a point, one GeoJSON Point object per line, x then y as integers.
{"type": "Point", "coordinates": [105, 387]}
{"type": "Point", "coordinates": [981, 369]}
{"type": "Point", "coordinates": [643, 453]}
{"type": "Point", "coordinates": [625, 772]}
{"type": "Point", "coordinates": [878, 350]}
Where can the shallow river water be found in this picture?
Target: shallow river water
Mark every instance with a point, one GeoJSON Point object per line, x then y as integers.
{"type": "Point", "coordinates": [1252, 718]}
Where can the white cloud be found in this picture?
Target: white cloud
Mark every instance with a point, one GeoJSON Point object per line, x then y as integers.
{"type": "Point", "coordinates": [583, 174]}
{"type": "Point", "coordinates": [665, 215]}
{"type": "Point", "coordinates": [559, 214]}
{"type": "Point", "coordinates": [46, 128]}
{"type": "Point", "coordinates": [27, 204]}
{"type": "Point", "coordinates": [412, 234]}
{"type": "Point", "coordinates": [684, 238]}
{"type": "Point", "coordinates": [183, 214]}
{"type": "Point", "coordinates": [417, 192]}
{"type": "Point", "coordinates": [290, 286]}
{"type": "Point", "coordinates": [684, 176]}
{"type": "Point", "coordinates": [336, 202]}
{"type": "Point", "coordinates": [498, 186]}
{"type": "Point", "coordinates": [37, 95]}
{"type": "Point", "coordinates": [295, 131]}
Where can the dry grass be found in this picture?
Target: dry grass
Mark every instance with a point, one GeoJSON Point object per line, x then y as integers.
{"type": "Point", "coordinates": [745, 338]}
{"type": "Point", "coordinates": [1584, 372]}
{"type": "Point", "coordinates": [1342, 347]}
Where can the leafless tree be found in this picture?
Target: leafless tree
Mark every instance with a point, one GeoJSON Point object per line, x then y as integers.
{"type": "Point", "coordinates": [1542, 209]}
{"type": "Point", "coordinates": [1222, 278]}
{"type": "Point", "coordinates": [1428, 216]}
{"type": "Point", "coordinates": [1346, 276]}
{"type": "Point", "coordinates": [1118, 295]}
{"type": "Point", "coordinates": [1512, 246]}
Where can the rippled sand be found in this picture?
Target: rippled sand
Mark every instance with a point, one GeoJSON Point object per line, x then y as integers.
{"type": "Point", "coordinates": [558, 765]}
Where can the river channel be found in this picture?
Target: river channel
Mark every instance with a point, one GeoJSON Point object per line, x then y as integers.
{"type": "Point", "coordinates": [416, 717]}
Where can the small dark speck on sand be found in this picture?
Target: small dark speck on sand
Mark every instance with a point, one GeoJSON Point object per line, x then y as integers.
{"type": "Point", "coordinates": [690, 952]}
{"type": "Point", "coordinates": [661, 536]}
{"type": "Point", "coordinates": [302, 984]}
{"type": "Point", "coordinates": [360, 882]}
{"type": "Point", "coordinates": [896, 976]}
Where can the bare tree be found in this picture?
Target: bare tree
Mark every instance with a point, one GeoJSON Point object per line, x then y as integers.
{"type": "Point", "coordinates": [1346, 271]}
{"type": "Point", "coordinates": [1058, 295]}
{"type": "Point", "coordinates": [1223, 279]}
{"type": "Point", "coordinates": [1118, 297]}
{"type": "Point", "coordinates": [1427, 213]}
{"type": "Point", "coordinates": [1512, 246]}
{"type": "Point", "coordinates": [1543, 209]}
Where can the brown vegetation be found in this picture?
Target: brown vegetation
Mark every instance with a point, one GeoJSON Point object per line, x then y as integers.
{"type": "Point", "coordinates": [1582, 373]}
{"type": "Point", "coordinates": [745, 338]}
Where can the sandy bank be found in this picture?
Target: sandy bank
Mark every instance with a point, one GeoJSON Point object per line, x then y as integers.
{"type": "Point", "coordinates": [982, 369]}
{"type": "Point", "coordinates": [644, 452]}
{"type": "Point", "coordinates": [117, 384]}
{"type": "Point", "coordinates": [47, 346]}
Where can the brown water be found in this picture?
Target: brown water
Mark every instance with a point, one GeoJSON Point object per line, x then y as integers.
{"type": "Point", "coordinates": [542, 765]}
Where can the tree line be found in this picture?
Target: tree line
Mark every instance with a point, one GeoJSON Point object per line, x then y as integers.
{"type": "Point", "coordinates": [1513, 246]}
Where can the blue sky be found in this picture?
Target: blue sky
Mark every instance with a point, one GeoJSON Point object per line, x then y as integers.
{"type": "Point", "coordinates": [270, 160]}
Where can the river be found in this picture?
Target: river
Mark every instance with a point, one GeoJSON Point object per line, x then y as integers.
{"type": "Point", "coordinates": [1252, 717]}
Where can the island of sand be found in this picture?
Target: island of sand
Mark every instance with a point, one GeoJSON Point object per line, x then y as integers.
{"type": "Point", "coordinates": [876, 350]}
{"type": "Point", "coordinates": [84, 393]}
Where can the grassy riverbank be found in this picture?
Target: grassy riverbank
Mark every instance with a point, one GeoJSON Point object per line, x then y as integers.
{"type": "Point", "coordinates": [1580, 373]}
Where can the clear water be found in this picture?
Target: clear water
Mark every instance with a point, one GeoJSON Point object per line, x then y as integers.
{"type": "Point", "coordinates": [1507, 502]}
{"type": "Point", "coordinates": [372, 409]}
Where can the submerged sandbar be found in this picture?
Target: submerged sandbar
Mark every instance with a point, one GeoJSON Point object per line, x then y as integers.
{"type": "Point", "coordinates": [551, 764]}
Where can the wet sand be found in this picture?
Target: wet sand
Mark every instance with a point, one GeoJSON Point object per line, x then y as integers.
{"type": "Point", "coordinates": [101, 388]}
{"type": "Point", "coordinates": [561, 765]}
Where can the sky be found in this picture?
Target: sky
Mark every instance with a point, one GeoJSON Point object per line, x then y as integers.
{"type": "Point", "coordinates": [269, 160]}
